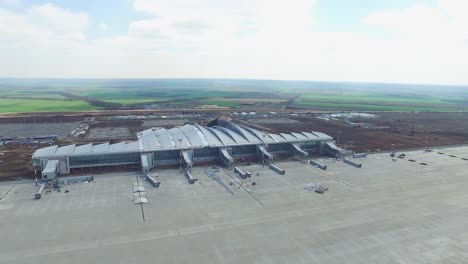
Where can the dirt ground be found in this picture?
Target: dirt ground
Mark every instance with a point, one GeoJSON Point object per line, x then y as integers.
{"type": "Point", "coordinates": [388, 131]}
{"type": "Point", "coordinates": [15, 161]}
{"type": "Point", "coordinates": [164, 123]}
{"type": "Point", "coordinates": [109, 133]}
{"type": "Point", "coordinates": [398, 130]}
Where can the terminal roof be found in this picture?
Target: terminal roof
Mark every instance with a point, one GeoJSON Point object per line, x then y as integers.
{"type": "Point", "coordinates": [188, 136]}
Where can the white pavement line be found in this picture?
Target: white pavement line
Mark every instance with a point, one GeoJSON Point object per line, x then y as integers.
{"type": "Point", "coordinates": [5, 195]}
{"type": "Point", "coordinates": [340, 181]}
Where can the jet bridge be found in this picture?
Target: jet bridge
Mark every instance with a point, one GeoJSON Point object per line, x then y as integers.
{"type": "Point", "coordinates": [263, 153]}
{"type": "Point", "coordinates": [144, 163]}
{"type": "Point", "coordinates": [187, 157]}
{"type": "Point", "coordinates": [297, 149]}
{"type": "Point", "coordinates": [226, 157]}
{"type": "Point", "coordinates": [51, 170]}
{"type": "Point", "coordinates": [335, 151]}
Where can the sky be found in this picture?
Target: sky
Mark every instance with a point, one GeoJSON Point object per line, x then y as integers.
{"type": "Point", "coordinates": [404, 41]}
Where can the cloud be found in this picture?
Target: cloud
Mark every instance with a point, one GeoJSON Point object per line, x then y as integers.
{"type": "Point", "coordinates": [426, 43]}
{"type": "Point", "coordinates": [39, 41]}
{"type": "Point", "coordinates": [239, 39]}
{"type": "Point", "coordinates": [103, 27]}
{"type": "Point", "coordinates": [419, 21]}
{"type": "Point", "coordinates": [208, 22]}
{"type": "Point", "coordinates": [46, 24]}
{"type": "Point", "coordinates": [57, 19]}
{"type": "Point", "coordinates": [10, 2]}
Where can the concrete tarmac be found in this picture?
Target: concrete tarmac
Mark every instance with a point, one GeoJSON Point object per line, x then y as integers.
{"type": "Point", "coordinates": [385, 212]}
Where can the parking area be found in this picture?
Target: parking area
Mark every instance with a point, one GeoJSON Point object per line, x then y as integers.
{"type": "Point", "coordinates": [385, 212]}
{"type": "Point", "coordinates": [108, 133]}
{"type": "Point", "coordinates": [37, 129]}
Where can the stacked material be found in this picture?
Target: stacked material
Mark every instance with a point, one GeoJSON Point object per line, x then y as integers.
{"type": "Point", "coordinates": [77, 179]}
{"type": "Point", "coordinates": [139, 193]}
{"type": "Point", "coordinates": [315, 188]}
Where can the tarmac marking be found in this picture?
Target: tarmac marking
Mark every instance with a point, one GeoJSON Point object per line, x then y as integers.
{"type": "Point", "coordinates": [416, 232]}
{"type": "Point", "coordinates": [3, 196]}
{"type": "Point", "coordinates": [251, 194]}
{"type": "Point", "coordinates": [335, 179]}
{"type": "Point", "coordinates": [141, 203]}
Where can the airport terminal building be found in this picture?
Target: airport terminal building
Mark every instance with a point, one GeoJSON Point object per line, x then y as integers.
{"type": "Point", "coordinates": [221, 141]}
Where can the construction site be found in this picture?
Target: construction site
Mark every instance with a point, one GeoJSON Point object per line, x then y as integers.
{"type": "Point", "coordinates": [392, 208]}
{"type": "Point", "coordinates": [221, 141]}
{"type": "Point", "coordinates": [22, 134]}
{"type": "Point", "coordinates": [249, 187]}
{"type": "Point", "coordinates": [252, 187]}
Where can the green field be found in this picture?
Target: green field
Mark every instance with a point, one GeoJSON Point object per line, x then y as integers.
{"type": "Point", "coordinates": [367, 101]}
{"type": "Point", "coordinates": [57, 95]}
{"type": "Point", "coordinates": [33, 105]}
{"type": "Point", "coordinates": [133, 101]}
{"type": "Point", "coordinates": [370, 107]}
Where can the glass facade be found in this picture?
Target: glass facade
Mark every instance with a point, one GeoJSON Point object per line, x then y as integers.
{"type": "Point", "coordinates": [239, 150]}
{"type": "Point", "coordinates": [107, 159]}
{"type": "Point", "coordinates": [167, 155]}
{"type": "Point", "coordinates": [279, 147]}
{"type": "Point", "coordinates": [36, 162]}
{"type": "Point", "coordinates": [206, 152]}
{"type": "Point", "coordinates": [170, 157]}
{"type": "Point", "coordinates": [310, 146]}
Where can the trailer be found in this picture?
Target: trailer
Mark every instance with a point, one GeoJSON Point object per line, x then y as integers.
{"type": "Point", "coordinates": [151, 180]}
{"type": "Point", "coordinates": [190, 178]}
{"type": "Point", "coordinates": [241, 173]}
{"type": "Point", "coordinates": [277, 169]}
{"type": "Point", "coordinates": [360, 155]}
{"type": "Point", "coordinates": [353, 163]}
{"type": "Point", "coordinates": [38, 193]}
{"type": "Point", "coordinates": [318, 164]}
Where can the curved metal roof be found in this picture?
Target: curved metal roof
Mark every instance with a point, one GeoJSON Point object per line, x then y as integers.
{"type": "Point", "coordinates": [223, 133]}
{"type": "Point", "coordinates": [188, 136]}
{"type": "Point", "coordinates": [87, 149]}
{"type": "Point", "coordinates": [237, 137]}
{"type": "Point", "coordinates": [223, 137]}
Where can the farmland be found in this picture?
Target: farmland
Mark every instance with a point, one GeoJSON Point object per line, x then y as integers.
{"type": "Point", "coordinates": [63, 95]}
{"type": "Point", "coordinates": [41, 105]}
{"type": "Point", "coordinates": [377, 102]}
{"type": "Point", "coordinates": [134, 101]}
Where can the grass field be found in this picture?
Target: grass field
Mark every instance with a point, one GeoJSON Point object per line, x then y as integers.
{"type": "Point", "coordinates": [376, 102]}
{"type": "Point", "coordinates": [370, 107]}
{"type": "Point", "coordinates": [133, 101]}
{"type": "Point", "coordinates": [33, 105]}
{"type": "Point", "coordinates": [371, 97]}
{"type": "Point", "coordinates": [40, 95]}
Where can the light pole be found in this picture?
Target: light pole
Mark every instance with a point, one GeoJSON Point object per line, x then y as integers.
{"type": "Point", "coordinates": [338, 137]}
{"type": "Point", "coordinates": [180, 155]}
{"type": "Point", "coordinates": [263, 152]}
{"type": "Point", "coordinates": [427, 141]}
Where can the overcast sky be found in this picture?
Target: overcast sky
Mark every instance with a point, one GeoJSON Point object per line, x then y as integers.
{"type": "Point", "coordinates": [409, 41]}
